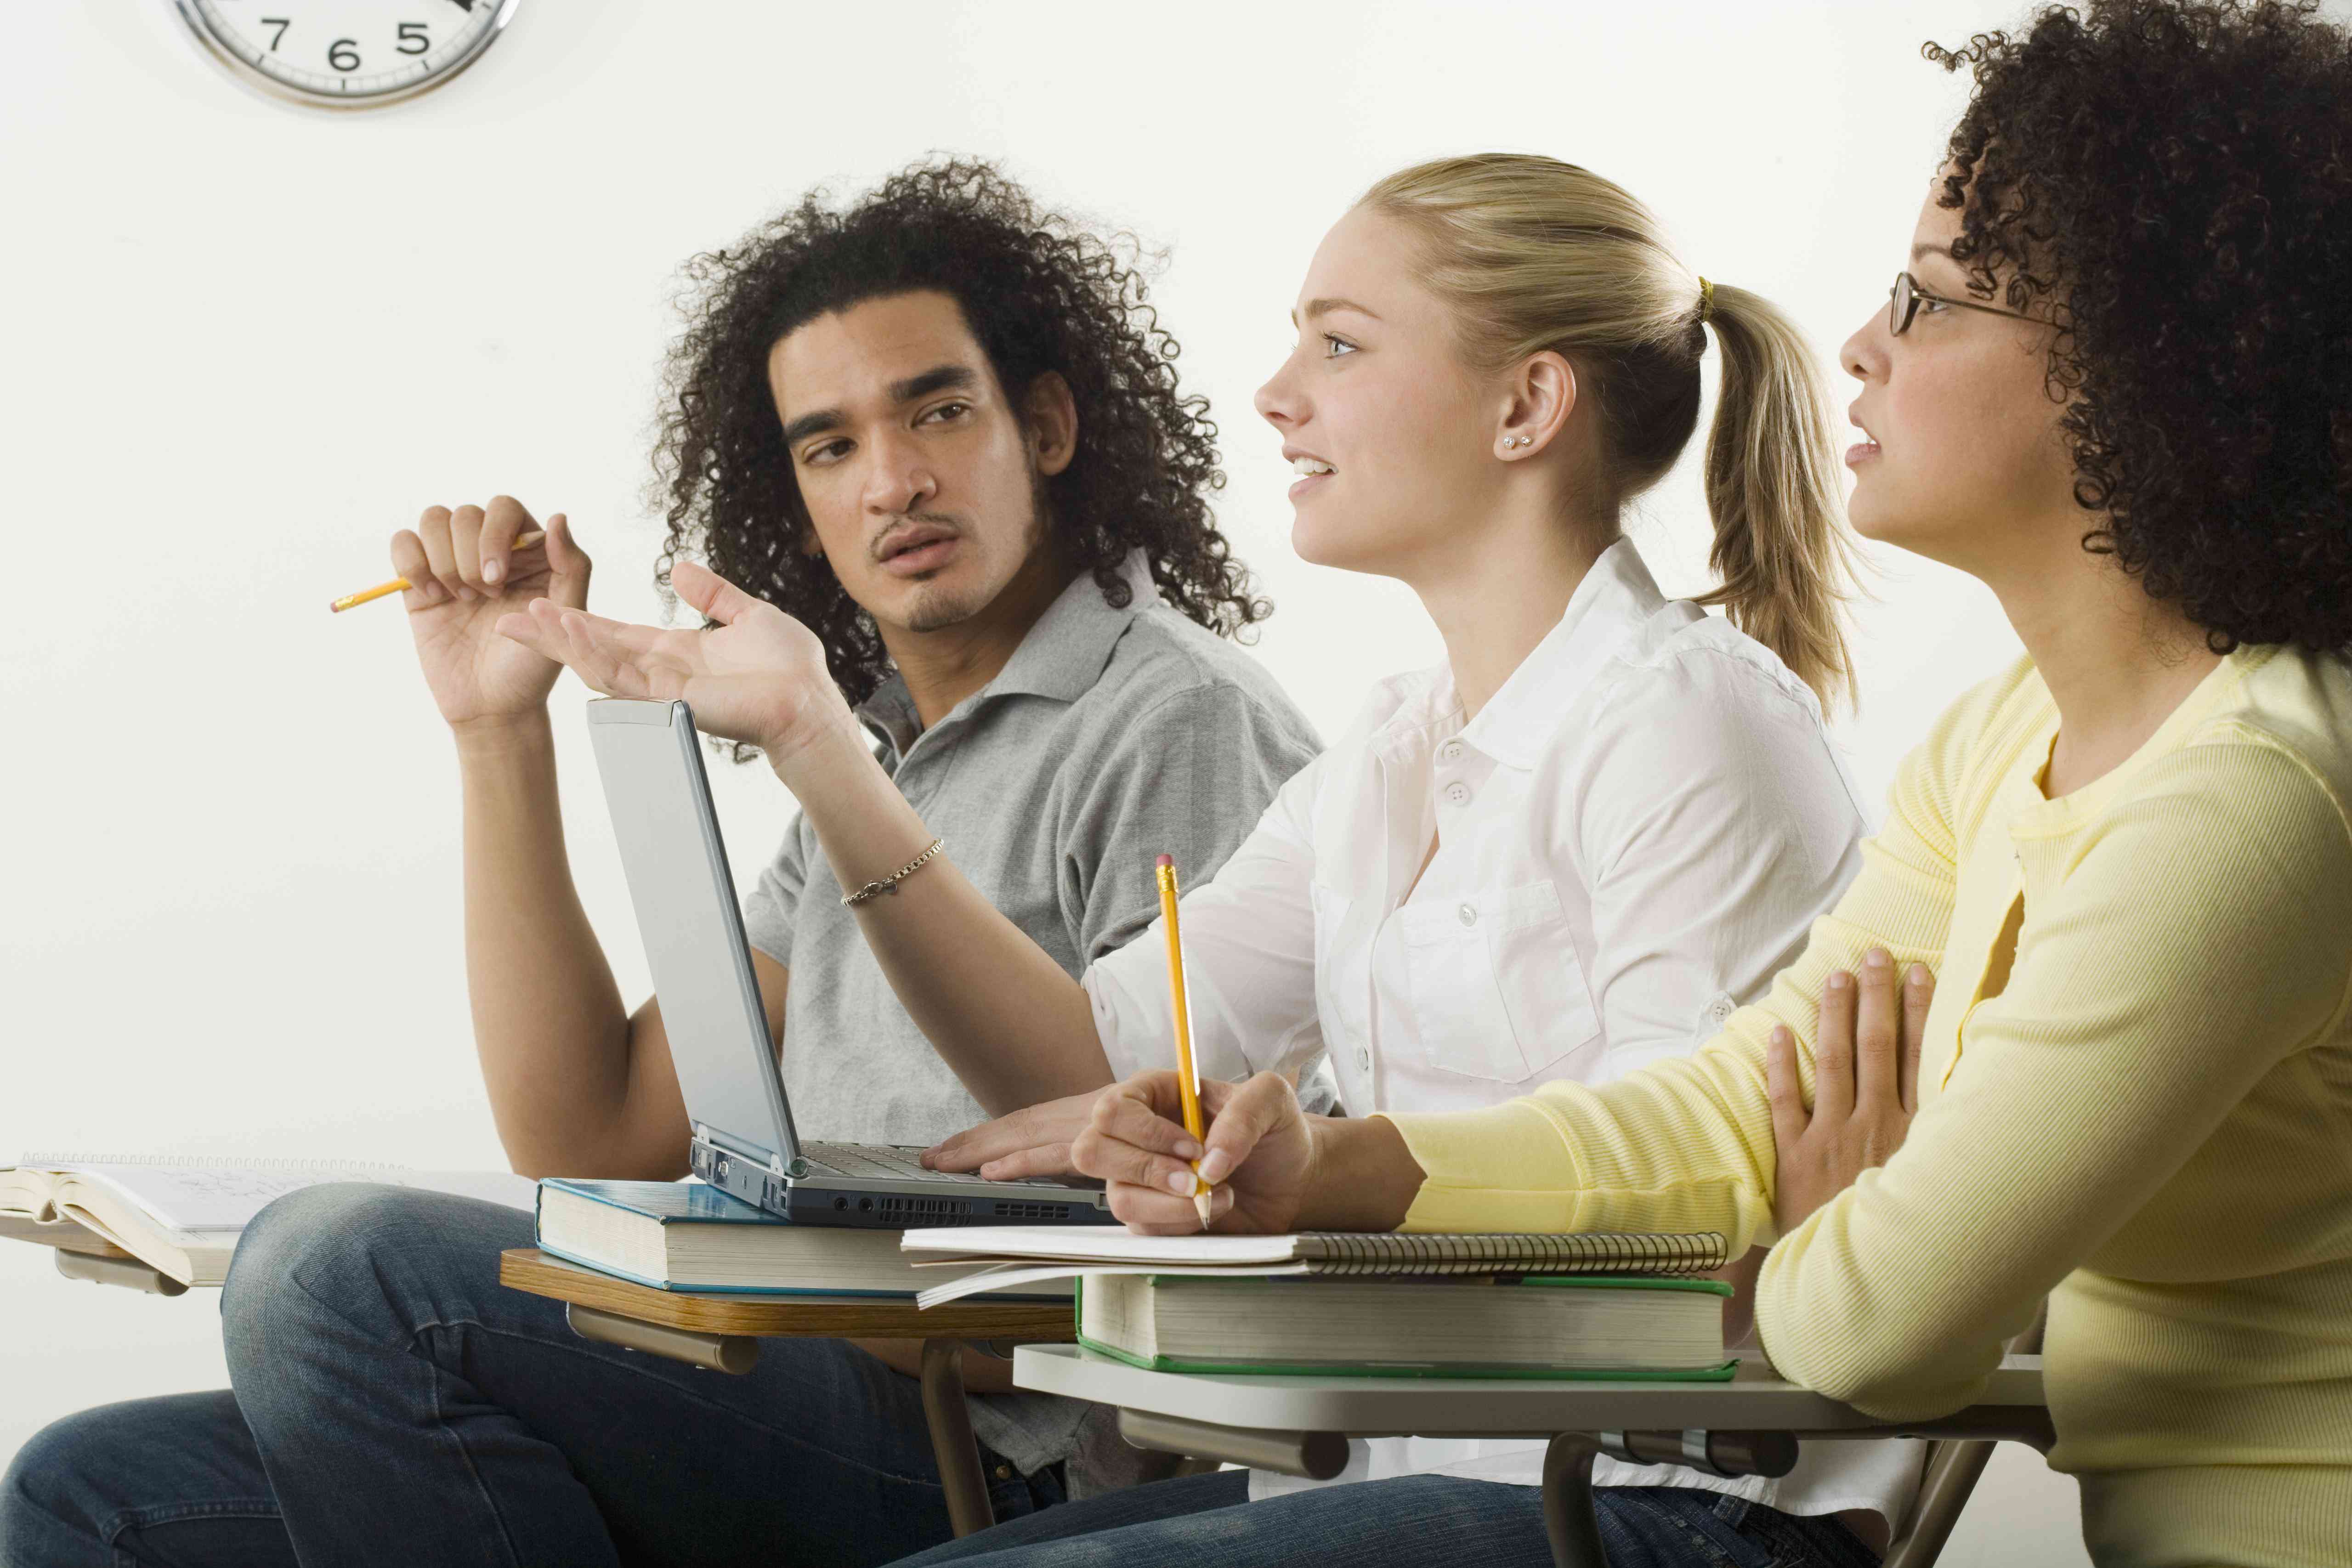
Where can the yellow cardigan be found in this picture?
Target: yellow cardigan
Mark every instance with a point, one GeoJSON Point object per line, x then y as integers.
{"type": "Point", "coordinates": [2151, 1124]}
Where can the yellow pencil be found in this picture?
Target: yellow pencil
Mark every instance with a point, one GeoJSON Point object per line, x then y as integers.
{"type": "Point", "coordinates": [1188, 1075]}
{"type": "Point", "coordinates": [523, 541]}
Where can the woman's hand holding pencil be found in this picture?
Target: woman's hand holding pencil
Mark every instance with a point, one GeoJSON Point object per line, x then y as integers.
{"type": "Point", "coordinates": [1255, 1156]}
{"type": "Point", "coordinates": [1274, 1168]}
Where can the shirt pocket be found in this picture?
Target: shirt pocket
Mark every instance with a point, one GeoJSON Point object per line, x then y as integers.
{"type": "Point", "coordinates": [1497, 993]}
{"type": "Point", "coordinates": [1337, 974]}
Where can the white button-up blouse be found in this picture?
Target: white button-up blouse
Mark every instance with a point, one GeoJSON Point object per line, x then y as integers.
{"type": "Point", "coordinates": [1632, 838]}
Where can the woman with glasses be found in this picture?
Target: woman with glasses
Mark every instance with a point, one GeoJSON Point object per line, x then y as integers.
{"type": "Point", "coordinates": [2114, 383]}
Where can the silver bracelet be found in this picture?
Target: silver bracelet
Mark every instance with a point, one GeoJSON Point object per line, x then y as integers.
{"type": "Point", "coordinates": [890, 883]}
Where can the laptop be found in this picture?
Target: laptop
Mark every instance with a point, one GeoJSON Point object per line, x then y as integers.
{"type": "Point", "coordinates": [745, 1142]}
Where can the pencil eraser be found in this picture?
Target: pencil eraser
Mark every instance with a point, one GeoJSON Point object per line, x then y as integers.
{"type": "Point", "coordinates": [1166, 861]}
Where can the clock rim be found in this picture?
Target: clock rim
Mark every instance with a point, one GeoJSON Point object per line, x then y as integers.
{"type": "Point", "coordinates": [269, 85]}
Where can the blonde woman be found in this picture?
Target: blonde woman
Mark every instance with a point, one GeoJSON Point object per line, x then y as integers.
{"type": "Point", "coordinates": [1569, 851]}
{"type": "Point", "coordinates": [2112, 385]}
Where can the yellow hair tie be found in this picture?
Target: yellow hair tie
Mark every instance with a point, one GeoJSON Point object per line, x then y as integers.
{"type": "Point", "coordinates": [1705, 301]}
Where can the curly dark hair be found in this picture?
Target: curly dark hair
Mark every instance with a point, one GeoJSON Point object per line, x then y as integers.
{"type": "Point", "coordinates": [2173, 180]}
{"type": "Point", "coordinates": [1040, 293]}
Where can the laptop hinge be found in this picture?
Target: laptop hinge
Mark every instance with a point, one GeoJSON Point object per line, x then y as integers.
{"type": "Point", "coordinates": [767, 1159]}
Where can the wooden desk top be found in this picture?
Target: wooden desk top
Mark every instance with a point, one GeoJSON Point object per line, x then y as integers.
{"type": "Point", "coordinates": [826, 1317]}
{"type": "Point", "coordinates": [64, 1237]}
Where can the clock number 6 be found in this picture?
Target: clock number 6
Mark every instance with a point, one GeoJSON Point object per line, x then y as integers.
{"type": "Point", "coordinates": [414, 33]}
{"type": "Point", "coordinates": [343, 54]}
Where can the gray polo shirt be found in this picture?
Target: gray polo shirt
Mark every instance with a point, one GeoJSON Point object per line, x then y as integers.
{"type": "Point", "coordinates": [1111, 737]}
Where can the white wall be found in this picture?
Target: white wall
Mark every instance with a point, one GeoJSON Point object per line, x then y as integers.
{"type": "Point", "coordinates": [245, 342]}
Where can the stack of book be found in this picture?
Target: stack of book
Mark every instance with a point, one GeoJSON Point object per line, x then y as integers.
{"type": "Point", "coordinates": [686, 1235]}
{"type": "Point", "coordinates": [1559, 1306]}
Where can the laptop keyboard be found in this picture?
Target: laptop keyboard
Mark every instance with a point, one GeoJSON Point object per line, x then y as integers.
{"type": "Point", "coordinates": [896, 1162]}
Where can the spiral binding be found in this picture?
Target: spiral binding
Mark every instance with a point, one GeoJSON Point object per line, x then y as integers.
{"type": "Point", "coordinates": [1345, 1253]}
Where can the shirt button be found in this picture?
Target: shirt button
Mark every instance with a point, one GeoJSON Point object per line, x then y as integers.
{"type": "Point", "coordinates": [1458, 793]}
{"type": "Point", "coordinates": [1469, 913]}
{"type": "Point", "coordinates": [1364, 1057]}
{"type": "Point", "coordinates": [1450, 752]}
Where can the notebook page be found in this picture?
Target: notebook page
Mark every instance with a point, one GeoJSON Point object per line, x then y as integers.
{"type": "Point", "coordinates": [1012, 1276]}
{"type": "Point", "coordinates": [1335, 1252]}
{"type": "Point", "coordinates": [1089, 1244]}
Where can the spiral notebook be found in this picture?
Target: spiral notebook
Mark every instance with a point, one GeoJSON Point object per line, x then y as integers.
{"type": "Point", "coordinates": [1004, 1256]}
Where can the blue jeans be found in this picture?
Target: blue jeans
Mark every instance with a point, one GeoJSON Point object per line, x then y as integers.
{"type": "Point", "coordinates": [393, 1403]}
{"type": "Point", "coordinates": [1208, 1521]}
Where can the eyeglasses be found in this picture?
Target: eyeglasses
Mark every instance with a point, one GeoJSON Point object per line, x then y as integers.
{"type": "Point", "coordinates": [1903, 303]}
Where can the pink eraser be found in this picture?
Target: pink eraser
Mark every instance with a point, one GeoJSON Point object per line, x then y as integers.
{"type": "Point", "coordinates": [1166, 861]}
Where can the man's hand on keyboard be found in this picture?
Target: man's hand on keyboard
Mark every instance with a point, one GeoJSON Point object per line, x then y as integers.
{"type": "Point", "coordinates": [1034, 1141]}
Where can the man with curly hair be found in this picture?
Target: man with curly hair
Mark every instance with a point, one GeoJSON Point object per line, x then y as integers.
{"type": "Point", "coordinates": [941, 430]}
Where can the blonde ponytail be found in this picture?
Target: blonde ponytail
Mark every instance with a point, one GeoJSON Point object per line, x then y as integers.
{"type": "Point", "coordinates": [1534, 255]}
{"type": "Point", "coordinates": [1781, 550]}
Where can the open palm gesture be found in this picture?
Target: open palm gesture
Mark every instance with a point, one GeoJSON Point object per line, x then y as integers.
{"type": "Point", "coordinates": [758, 676]}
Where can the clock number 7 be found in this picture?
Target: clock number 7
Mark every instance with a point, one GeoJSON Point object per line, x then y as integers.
{"type": "Point", "coordinates": [281, 24]}
{"type": "Point", "coordinates": [414, 33]}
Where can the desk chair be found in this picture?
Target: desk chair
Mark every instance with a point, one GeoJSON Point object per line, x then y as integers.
{"type": "Point", "coordinates": [1750, 1425]}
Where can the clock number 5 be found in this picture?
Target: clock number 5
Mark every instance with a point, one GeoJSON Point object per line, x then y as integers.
{"type": "Point", "coordinates": [414, 33]}
{"type": "Point", "coordinates": [343, 54]}
{"type": "Point", "coordinates": [281, 24]}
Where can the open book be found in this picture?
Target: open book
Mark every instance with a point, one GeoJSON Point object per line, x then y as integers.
{"type": "Point", "coordinates": [1012, 1255]}
{"type": "Point", "coordinates": [183, 1217]}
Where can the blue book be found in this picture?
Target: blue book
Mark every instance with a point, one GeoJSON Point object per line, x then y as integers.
{"type": "Point", "coordinates": [687, 1236]}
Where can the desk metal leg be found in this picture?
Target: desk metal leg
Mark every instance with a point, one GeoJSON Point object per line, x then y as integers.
{"type": "Point", "coordinates": [1569, 1521]}
{"type": "Point", "coordinates": [128, 1273]}
{"type": "Point", "coordinates": [1953, 1468]}
{"type": "Point", "coordinates": [1318, 1455]}
{"type": "Point", "coordinates": [718, 1353]}
{"type": "Point", "coordinates": [954, 1447]}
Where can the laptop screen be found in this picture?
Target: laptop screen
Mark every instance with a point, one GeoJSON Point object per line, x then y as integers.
{"type": "Point", "coordinates": [659, 796]}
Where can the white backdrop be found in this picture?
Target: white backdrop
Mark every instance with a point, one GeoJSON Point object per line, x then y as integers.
{"type": "Point", "coordinates": [245, 341]}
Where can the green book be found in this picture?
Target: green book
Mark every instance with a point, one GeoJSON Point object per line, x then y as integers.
{"type": "Point", "coordinates": [1533, 1326]}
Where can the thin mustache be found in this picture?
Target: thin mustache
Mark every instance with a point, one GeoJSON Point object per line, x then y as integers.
{"type": "Point", "coordinates": [874, 545]}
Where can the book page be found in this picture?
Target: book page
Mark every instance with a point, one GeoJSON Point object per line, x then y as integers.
{"type": "Point", "coordinates": [27, 1192]}
{"type": "Point", "coordinates": [199, 1198]}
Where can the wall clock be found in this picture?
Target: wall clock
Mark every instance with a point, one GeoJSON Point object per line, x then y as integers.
{"type": "Point", "coordinates": [346, 54]}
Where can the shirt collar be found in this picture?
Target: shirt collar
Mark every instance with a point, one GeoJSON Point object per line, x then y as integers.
{"type": "Point", "coordinates": [1606, 610]}
{"type": "Point", "coordinates": [1061, 657]}
{"type": "Point", "coordinates": [1063, 654]}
